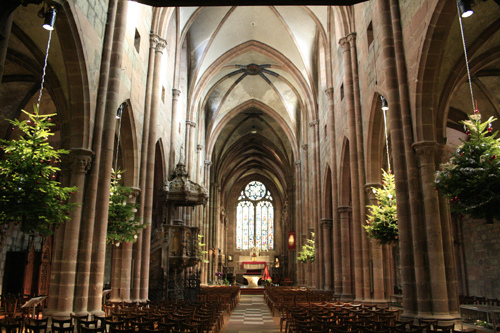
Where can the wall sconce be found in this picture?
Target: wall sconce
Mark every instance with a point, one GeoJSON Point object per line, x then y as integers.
{"type": "Point", "coordinates": [49, 19]}
{"type": "Point", "coordinates": [385, 105]}
{"type": "Point", "coordinates": [465, 8]}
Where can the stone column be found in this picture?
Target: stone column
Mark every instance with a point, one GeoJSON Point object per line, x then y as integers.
{"type": "Point", "coordinates": [299, 224]}
{"type": "Point", "coordinates": [411, 238]}
{"type": "Point", "coordinates": [351, 38]}
{"type": "Point", "coordinates": [116, 264]}
{"type": "Point", "coordinates": [137, 247]}
{"type": "Point", "coordinates": [149, 185]}
{"type": "Point", "coordinates": [377, 254]}
{"type": "Point", "coordinates": [4, 42]}
{"type": "Point", "coordinates": [353, 160]}
{"type": "Point", "coordinates": [306, 213]}
{"type": "Point", "coordinates": [315, 206]}
{"type": "Point", "coordinates": [190, 127]}
{"type": "Point", "coordinates": [326, 227]}
{"type": "Point", "coordinates": [435, 253]}
{"type": "Point", "coordinates": [174, 123]}
{"type": "Point", "coordinates": [92, 186]}
{"type": "Point", "coordinates": [80, 161]}
{"type": "Point", "coordinates": [345, 217]}
{"type": "Point", "coordinates": [337, 266]}
{"type": "Point", "coordinates": [205, 225]}
{"type": "Point", "coordinates": [126, 257]}
{"type": "Point", "coordinates": [108, 141]}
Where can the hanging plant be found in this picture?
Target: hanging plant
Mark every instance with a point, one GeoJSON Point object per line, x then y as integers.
{"type": "Point", "coordinates": [382, 223]}
{"type": "Point", "coordinates": [471, 178]}
{"type": "Point", "coordinates": [29, 194]}
{"type": "Point", "coordinates": [307, 253]}
{"type": "Point", "coordinates": [123, 225]}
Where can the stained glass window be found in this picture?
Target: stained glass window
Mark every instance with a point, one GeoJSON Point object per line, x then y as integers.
{"type": "Point", "coordinates": [255, 218]}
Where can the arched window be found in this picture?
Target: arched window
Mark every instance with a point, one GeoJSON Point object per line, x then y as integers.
{"type": "Point", "coordinates": [255, 218]}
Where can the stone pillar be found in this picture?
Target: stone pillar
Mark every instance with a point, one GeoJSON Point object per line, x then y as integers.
{"type": "Point", "coordinates": [315, 206]}
{"type": "Point", "coordinates": [435, 253]}
{"type": "Point", "coordinates": [345, 217]}
{"type": "Point", "coordinates": [149, 185]}
{"type": "Point", "coordinates": [326, 227]}
{"type": "Point", "coordinates": [92, 186]}
{"type": "Point", "coordinates": [80, 161]}
{"type": "Point", "coordinates": [306, 213]}
{"type": "Point", "coordinates": [116, 263]}
{"type": "Point", "coordinates": [137, 247]}
{"type": "Point", "coordinates": [108, 138]}
{"type": "Point", "coordinates": [351, 38]}
{"type": "Point", "coordinates": [377, 255]}
{"type": "Point", "coordinates": [205, 226]}
{"type": "Point", "coordinates": [174, 123]}
{"type": "Point", "coordinates": [126, 257]}
{"type": "Point", "coordinates": [190, 127]}
{"type": "Point", "coordinates": [4, 42]}
{"type": "Point", "coordinates": [411, 238]}
{"type": "Point", "coordinates": [337, 266]}
{"type": "Point", "coordinates": [299, 224]}
{"type": "Point", "coordinates": [353, 160]}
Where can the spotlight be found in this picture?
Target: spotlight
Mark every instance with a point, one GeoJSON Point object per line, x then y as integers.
{"type": "Point", "coordinates": [385, 106]}
{"type": "Point", "coordinates": [465, 8]}
{"type": "Point", "coordinates": [50, 19]}
{"type": "Point", "coordinates": [119, 112]}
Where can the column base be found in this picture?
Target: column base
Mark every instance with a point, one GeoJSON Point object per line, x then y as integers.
{"type": "Point", "coordinates": [99, 313]}
{"type": "Point", "coordinates": [442, 316]}
{"type": "Point", "coordinates": [61, 314]}
{"type": "Point", "coordinates": [347, 297]}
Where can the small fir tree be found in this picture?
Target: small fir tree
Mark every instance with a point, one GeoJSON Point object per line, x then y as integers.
{"type": "Point", "coordinates": [200, 250]}
{"type": "Point", "coordinates": [471, 178]}
{"type": "Point", "coordinates": [29, 193]}
{"type": "Point", "coordinates": [308, 252]}
{"type": "Point", "coordinates": [382, 223]}
{"type": "Point", "coordinates": [123, 225]}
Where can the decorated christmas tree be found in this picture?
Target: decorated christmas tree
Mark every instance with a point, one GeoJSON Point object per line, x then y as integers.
{"type": "Point", "coordinates": [471, 178]}
{"type": "Point", "coordinates": [29, 193]}
{"type": "Point", "coordinates": [123, 225]}
{"type": "Point", "coordinates": [308, 251]}
{"type": "Point", "coordinates": [382, 223]}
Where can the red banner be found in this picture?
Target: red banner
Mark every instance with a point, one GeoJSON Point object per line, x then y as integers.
{"type": "Point", "coordinates": [291, 240]}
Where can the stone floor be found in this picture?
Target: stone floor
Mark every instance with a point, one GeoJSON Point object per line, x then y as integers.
{"type": "Point", "coordinates": [251, 315]}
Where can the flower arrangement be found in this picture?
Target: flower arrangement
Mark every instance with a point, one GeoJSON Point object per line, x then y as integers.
{"type": "Point", "coordinates": [29, 193]}
{"type": "Point", "coordinates": [308, 252]}
{"type": "Point", "coordinates": [471, 178]}
{"type": "Point", "coordinates": [123, 225]}
{"type": "Point", "coordinates": [382, 223]}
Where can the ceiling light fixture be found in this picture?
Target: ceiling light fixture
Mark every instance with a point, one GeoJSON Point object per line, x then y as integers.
{"type": "Point", "coordinates": [50, 19]}
{"type": "Point", "coordinates": [385, 106]}
{"type": "Point", "coordinates": [465, 8]}
{"type": "Point", "coordinates": [254, 130]}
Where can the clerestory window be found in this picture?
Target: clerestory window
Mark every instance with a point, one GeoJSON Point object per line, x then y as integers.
{"type": "Point", "coordinates": [255, 218]}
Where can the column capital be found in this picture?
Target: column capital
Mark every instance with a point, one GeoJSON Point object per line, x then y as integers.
{"type": "Point", "coordinates": [344, 209]}
{"type": "Point", "coordinates": [326, 223]}
{"type": "Point", "coordinates": [161, 45]}
{"type": "Point", "coordinates": [314, 123]}
{"type": "Point", "coordinates": [175, 94]}
{"type": "Point", "coordinates": [329, 94]}
{"type": "Point", "coordinates": [351, 38]}
{"type": "Point", "coordinates": [80, 160]}
{"type": "Point", "coordinates": [297, 163]}
{"type": "Point", "coordinates": [369, 190]}
{"type": "Point", "coordinates": [199, 147]}
{"type": "Point", "coordinates": [304, 146]}
{"type": "Point", "coordinates": [190, 123]}
{"type": "Point", "coordinates": [153, 40]}
{"type": "Point", "coordinates": [426, 151]}
{"type": "Point", "coordinates": [208, 163]}
{"type": "Point", "coordinates": [344, 43]}
{"type": "Point", "coordinates": [133, 196]}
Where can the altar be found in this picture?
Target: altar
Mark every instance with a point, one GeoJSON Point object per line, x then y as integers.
{"type": "Point", "coordinates": [253, 280]}
{"type": "Point", "coordinates": [252, 263]}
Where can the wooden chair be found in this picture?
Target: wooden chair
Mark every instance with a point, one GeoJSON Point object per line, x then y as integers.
{"type": "Point", "coordinates": [11, 326]}
{"type": "Point", "coordinates": [93, 329]}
